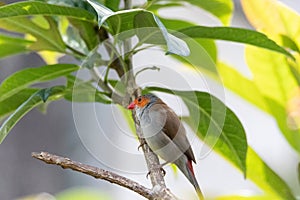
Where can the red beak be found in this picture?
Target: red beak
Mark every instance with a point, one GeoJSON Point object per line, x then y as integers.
{"type": "Point", "coordinates": [131, 106]}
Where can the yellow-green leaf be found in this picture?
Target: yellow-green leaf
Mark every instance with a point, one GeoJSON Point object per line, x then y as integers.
{"type": "Point", "coordinates": [273, 18]}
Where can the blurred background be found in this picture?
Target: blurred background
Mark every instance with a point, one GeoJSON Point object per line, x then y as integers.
{"type": "Point", "coordinates": [70, 130]}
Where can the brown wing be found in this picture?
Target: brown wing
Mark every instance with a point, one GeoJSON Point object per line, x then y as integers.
{"type": "Point", "coordinates": [174, 129]}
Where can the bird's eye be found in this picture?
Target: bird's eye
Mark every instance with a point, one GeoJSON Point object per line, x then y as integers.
{"type": "Point", "coordinates": [139, 99]}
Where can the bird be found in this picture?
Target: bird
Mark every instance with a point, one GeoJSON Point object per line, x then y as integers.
{"type": "Point", "coordinates": [165, 135]}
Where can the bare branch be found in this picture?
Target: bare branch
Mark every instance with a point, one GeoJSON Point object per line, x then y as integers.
{"type": "Point", "coordinates": [95, 172]}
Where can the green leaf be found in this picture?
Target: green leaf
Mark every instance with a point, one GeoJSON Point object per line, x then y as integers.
{"type": "Point", "coordinates": [32, 102]}
{"type": "Point", "coordinates": [81, 91]}
{"type": "Point", "coordinates": [39, 8]}
{"type": "Point", "coordinates": [24, 78]}
{"type": "Point", "coordinates": [12, 103]}
{"type": "Point", "coordinates": [235, 35]}
{"type": "Point", "coordinates": [276, 83]}
{"type": "Point", "coordinates": [214, 123]}
{"type": "Point", "coordinates": [142, 23]}
{"type": "Point", "coordinates": [13, 45]}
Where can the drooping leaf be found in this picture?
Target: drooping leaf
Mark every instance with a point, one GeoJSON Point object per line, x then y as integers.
{"type": "Point", "coordinates": [12, 103]}
{"type": "Point", "coordinates": [276, 83]}
{"type": "Point", "coordinates": [142, 23]}
{"type": "Point", "coordinates": [24, 78]}
{"type": "Point", "coordinates": [203, 51]}
{"type": "Point", "coordinates": [13, 45]}
{"type": "Point", "coordinates": [214, 123]}
{"type": "Point", "coordinates": [83, 91]}
{"type": "Point", "coordinates": [235, 35]}
{"type": "Point", "coordinates": [32, 102]}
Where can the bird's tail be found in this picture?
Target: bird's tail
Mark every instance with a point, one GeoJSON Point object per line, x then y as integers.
{"type": "Point", "coordinates": [187, 169]}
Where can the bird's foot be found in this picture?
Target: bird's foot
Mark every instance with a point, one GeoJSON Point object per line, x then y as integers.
{"type": "Point", "coordinates": [159, 167]}
{"type": "Point", "coordinates": [142, 144]}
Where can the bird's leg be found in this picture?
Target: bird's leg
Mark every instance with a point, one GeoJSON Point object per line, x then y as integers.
{"type": "Point", "coordinates": [143, 142]}
{"type": "Point", "coordinates": [160, 167]}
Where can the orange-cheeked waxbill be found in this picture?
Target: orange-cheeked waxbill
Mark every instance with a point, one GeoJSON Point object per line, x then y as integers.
{"type": "Point", "coordinates": [165, 135]}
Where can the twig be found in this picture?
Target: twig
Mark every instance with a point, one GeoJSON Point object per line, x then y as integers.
{"type": "Point", "coordinates": [147, 68]}
{"type": "Point", "coordinates": [95, 172]}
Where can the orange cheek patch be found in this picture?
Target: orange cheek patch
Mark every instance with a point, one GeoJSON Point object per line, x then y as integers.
{"type": "Point", "coordinates": [142, 103]}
